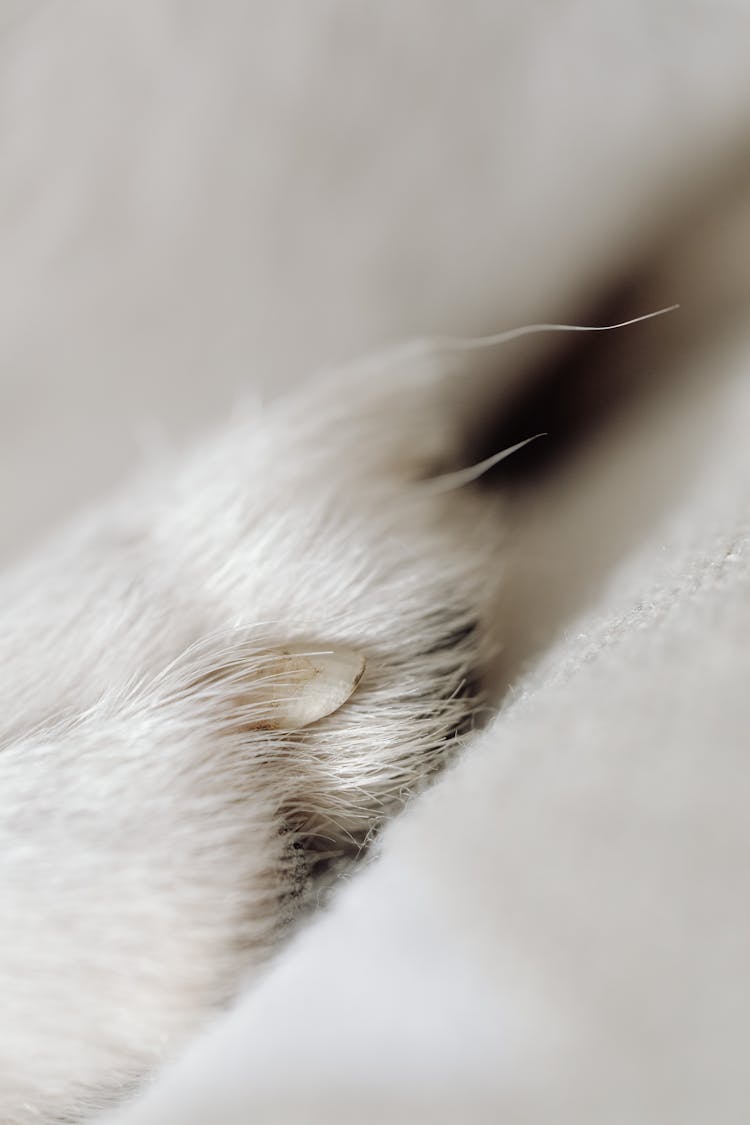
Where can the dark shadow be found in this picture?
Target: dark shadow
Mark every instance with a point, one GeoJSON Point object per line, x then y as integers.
{"type": "Point", "coordinates": [627, 416]}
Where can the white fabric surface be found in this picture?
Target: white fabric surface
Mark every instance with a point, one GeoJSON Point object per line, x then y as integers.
{"type": "Point", "coordinates": [199, 200]}
{"type": "Point", "coordinates": [558, 931]}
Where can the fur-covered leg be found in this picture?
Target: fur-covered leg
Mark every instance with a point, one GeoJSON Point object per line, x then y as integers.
{"type": "Point", "coordinates": [185, 736]}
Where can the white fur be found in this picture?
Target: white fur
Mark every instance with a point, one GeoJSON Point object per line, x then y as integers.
{"type": "Point", "coordinates": [155, 836]}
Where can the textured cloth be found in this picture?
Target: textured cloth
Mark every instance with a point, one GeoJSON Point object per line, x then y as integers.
{"type": "Point", "coordinates": [558, 930]}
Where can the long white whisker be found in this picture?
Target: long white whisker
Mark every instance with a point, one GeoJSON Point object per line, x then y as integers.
{"type": "Point", "coordinates": [474, 343]}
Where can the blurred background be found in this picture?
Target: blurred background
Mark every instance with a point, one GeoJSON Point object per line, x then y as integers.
{"type": "Point", "coordinates": [200, 201]}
